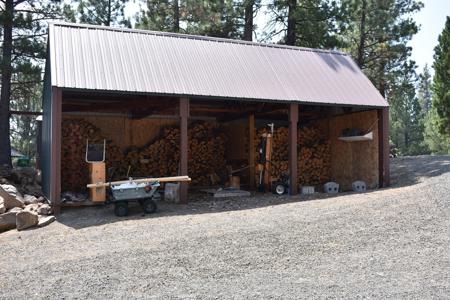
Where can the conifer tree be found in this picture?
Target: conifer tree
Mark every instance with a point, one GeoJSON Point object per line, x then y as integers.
{"type": "Point", "coordinates": [441, 80]}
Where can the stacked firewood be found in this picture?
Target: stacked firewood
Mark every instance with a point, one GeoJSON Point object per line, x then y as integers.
{"type": "Point", "coordinates": [161, 157]}
{"type": "Point", "coordinates": [313, 154]}
{"type": "Point", "coordinates": [74, 169]}
{"type": "Point", "coordinates": [314, 157]}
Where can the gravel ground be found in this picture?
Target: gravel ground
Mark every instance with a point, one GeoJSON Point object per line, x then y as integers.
{"type": "Point", "coordinates": [390, 243]}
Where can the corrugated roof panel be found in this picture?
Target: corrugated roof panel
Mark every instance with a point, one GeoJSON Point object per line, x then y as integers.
{"type": "Point", "coordinates": [103, 58]}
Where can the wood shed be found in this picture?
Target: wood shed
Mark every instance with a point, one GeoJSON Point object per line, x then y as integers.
{"type": "Point", "coordinates": [175, 104]}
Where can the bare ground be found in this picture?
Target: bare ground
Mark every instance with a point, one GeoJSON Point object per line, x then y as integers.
{"type": "Point", "coordinates": [390, 243]}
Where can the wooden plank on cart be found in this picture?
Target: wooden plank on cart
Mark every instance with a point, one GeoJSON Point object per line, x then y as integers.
{"type": "Point", "coordinates": [143, 180]}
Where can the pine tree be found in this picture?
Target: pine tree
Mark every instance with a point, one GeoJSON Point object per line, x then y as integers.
{"type": "Point", "coordinates": [376, 34]}
{"type": "Point", "coordinates": [23, 50]}
{"type": "Point", "coordinates": [407, 128]}
{"type": "Point", "coordinates": [424, 90]}
{"type": "Point", "coordinates": [161, 15]}
{"type": "Point", "coordinates": [441, 80]}
{"type": "Point", "coordinates": [217, 18]}
{"type": "Point", "coordinates": [101, 12]}
{"type": "Point", "coordinates": [307, 23]}
{"type": "Point", "coordinates": [250, 9]}
{"type": "Point", "coordinates": [436, 142]}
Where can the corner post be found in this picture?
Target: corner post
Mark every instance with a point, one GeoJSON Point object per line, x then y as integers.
{"type": "Point", "coordinates": [251, 151]}
{"type": "Point", "coordinates": [184, 148]}
{"type": "Point", "coordinates": [55, 158]}
{"type": "Point", "coordinates": [293, 158]}
{"type": "Point", "coordinates": [383, 147]}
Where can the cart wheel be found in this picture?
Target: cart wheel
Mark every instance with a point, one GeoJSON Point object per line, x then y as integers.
{"type": "Point", "coordinates": [280, 189]}
{"type": "Point", "coordinates": [149, 206]}
{"type": "Point", "coordinates": [121, 208]}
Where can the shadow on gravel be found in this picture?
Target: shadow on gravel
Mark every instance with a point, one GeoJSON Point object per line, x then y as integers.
{"type": "Point", "coordinates": [404, 171]}
{"type": "Point", "coordinates": [410, 170]}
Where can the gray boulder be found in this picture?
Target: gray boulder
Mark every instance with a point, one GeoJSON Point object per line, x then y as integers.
{"type": "Point", "coordinates": [7, 221]}
{"type": "Point", "coordinates": [11, 197]}
{"type": "Point", "coordinates": [15, 209]}
{"type": "Point", "coordinates": [26, 219]}
{"type": "Point", "coordinates": [30, 199]}
{"type": "Point", "coordinates": [45, 220]}
{"type": "Point", "coordinates": [44, 209]}
{"type": "Point", "coordinates": [2, 206]}
{"type": "Point", "coordinates": [32, 207]}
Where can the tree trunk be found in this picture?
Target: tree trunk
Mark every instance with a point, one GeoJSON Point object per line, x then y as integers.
{"type": "Point", "coordinates": [362, 35]}
{"type": "Point", "coordinates": [381, 78]}
{"type": "Point", "coordinates": [176, 16]}
{"type": "Point", "coordinates": [6, 69]}
{"type": "Point", "coordinates": [290, 36]}
{"type": "Point", "coordinates": [248, 26]}
{"type": "Point", "coordinates": [108, 21]}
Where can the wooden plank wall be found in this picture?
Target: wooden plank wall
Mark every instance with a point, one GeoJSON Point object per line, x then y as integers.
{"type": "Point", "coordinates": [352, 161]}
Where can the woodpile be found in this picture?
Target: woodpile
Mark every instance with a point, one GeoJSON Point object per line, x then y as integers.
{"type": "Point", "coordinates": [207, 159]}
{"type": "Point", "coordinates": [74, 169]}
{"type": "Point", "coordinates": [314, 157]}
{"type": "Point", "coordinates": [161, 157]}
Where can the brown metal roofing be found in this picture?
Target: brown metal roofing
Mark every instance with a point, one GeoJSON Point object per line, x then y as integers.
{"type": "Point", "coordinates": [104, 58]}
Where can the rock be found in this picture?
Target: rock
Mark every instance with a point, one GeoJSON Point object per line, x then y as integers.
{"type": "Point", "coordinates": [11, 197]}
{"type": "Point", "coordinates": [32, 207]}
{"type": "Point", "coordinates": [30, 199]}
{"type": "Point", "coordinates": [2, 206]}
{"type": "Point", "coordinates": [33, 189]}
{"type": "Point", "coordinates": [44, 221]}
{"type": "Point", "coordinates": [44, 209]}
{"type": "Point", "coordinates": [26, 219]}
{"type": "Point", "coordinates": [15, 209]}
{"type": "Point", "coordinates": [41, 199]}
{"type": "Point", "coordinates": [10, 189]}
{"type": "Point", "coordinates": [7, 221]}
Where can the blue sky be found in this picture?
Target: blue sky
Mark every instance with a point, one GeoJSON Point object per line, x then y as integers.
{"type": "Point", "coordinates": [431, 20]}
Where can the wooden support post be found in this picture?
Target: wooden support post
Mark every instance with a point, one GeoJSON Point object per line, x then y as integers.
{"type": "Point", "coordinates": [251, 151]}
{"type": "Point", "coordinates": [383, 146]}
{"type": "Point", "coordinates": [55, 157]}
{"type": "Point", "coordinates": [184, 148]}
{"type": "Point", "coordinates": [293, 159]}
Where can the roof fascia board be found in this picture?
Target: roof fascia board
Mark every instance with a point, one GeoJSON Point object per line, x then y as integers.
{"type": "Point", "coordinates": [201, 97]}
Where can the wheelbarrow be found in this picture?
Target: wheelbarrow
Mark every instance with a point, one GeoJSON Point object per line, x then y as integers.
{"type": "Point", "coordinates": [142, 190]}
{"type": "Point", "coordinates": [144, 193]}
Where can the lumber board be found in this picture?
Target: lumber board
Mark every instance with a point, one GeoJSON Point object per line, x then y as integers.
{"type": "Point", "coordinates": [142, 180]}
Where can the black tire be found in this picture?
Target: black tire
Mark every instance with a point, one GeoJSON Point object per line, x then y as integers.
{"type": "Point", "coordinates": [121, 208]}
{"type": "Point", "coordinates": [149, 206]}
{"type": "Point", "coordinates": [280, 189]}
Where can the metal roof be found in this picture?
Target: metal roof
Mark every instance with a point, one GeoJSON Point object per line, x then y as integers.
{"type": "Point", "coordinates": [113, 59]}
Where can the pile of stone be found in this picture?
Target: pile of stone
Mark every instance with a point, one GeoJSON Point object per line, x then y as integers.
{"type": "Point", "coordinates": [19, 210]}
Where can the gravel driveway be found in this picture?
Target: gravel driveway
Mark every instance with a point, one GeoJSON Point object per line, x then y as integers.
{"type": "Point", "coordinates": [390, 243]}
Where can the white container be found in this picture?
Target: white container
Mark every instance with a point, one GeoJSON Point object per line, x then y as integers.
{"type": "Point", "coordinates": [307, 190]}
{"type": "Point", "coordinates": [172, 192]}
{"type": "Point", "coordinates": [331, 187]}
{"type": "Point", "coordinates": [359, 186]}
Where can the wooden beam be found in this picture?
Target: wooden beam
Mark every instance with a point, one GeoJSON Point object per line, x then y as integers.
{"type": "Point", "coordinates": [55, 157]}
{"type": "Point", "coordinates": [251, 151]}
{"type": "Point", "coordinates": [383, 147]}
{"type": "Point", "coordinates": [184, 147]}
{"type": "Point", "coordinates": [293, 159]}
